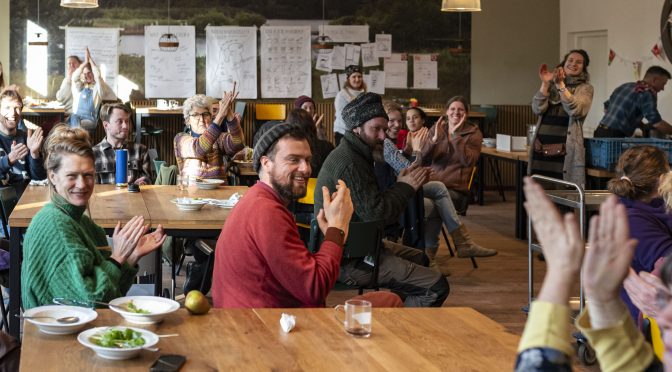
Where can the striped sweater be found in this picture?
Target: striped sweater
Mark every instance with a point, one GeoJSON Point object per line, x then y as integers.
{"type": "Point", "coordinates": [61, 258]}
{"type": "Point", "coordinates": [203, 156]}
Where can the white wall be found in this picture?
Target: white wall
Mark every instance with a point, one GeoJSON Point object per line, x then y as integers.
{"type": "Point", "coordinates": [632, 27]}
{"type": "Point", "coordinates": [510, 39]}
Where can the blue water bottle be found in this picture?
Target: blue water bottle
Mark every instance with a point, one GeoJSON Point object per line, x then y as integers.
{"type": "Point", "coordinates": [121, 178]}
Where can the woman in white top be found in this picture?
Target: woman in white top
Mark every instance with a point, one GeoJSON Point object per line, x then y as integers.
{"type": "Point", "coordinates": [354, 86]}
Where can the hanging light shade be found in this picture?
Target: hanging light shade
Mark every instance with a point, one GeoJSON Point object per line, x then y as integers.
{"type": "Point", "coordinates": [169, 42]}
{"type": "Point", "coordinates": [79, 3]}
{"type": "Point", "coordinates": [461, 6]}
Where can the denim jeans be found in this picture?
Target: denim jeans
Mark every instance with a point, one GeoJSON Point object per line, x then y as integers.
{"type": "Point", "coordinates": [439, 210]}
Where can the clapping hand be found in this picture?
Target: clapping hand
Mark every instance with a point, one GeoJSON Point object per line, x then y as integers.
{"type": "Point", "coordinates": [146, 244]}
{"type": "Point", "coordinates": [18, 152]}
{"type": "Point", "coordinates": [125, 239]}
{"type": "Point", "coordinates": [318, 120]}
{"type": "Point", "coordinates": [645, 289]}
{"type": "Point", "coordinates": [337, 209]}
{"type": "Point", "coordinates": [34, 142]}
{"type": "Point", "coordinates": [227, 105]}
{"type": "Point", "coordinates": [414, 175]}
{"type": "Point", "coordinates": [559, 75]}
{"type": "Point", "coordinates": [418, 138]}
{"type": "Point", "coordinates": [545, 75]}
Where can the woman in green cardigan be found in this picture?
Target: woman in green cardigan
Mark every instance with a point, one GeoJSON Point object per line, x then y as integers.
{"type": "Point", "coordinates": [65, 254]}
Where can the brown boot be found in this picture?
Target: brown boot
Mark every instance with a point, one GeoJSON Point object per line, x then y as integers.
{"type": "Point", "coordinates": [466, 247]}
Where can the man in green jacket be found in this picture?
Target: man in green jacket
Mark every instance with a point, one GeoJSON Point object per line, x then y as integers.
{"type": "Point", "coordinates": [400, 267]}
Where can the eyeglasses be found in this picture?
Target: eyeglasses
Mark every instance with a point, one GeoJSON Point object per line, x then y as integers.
{"type": "Point", "coordinates": [203, 115]}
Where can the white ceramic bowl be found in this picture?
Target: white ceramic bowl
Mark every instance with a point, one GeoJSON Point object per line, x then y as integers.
{"type": "Point", "coordinates": [489, 142]}
{"type": "Point", "coordinates": [52, 327]}
{"type": "Point", "coordinates": [189, 204]}
{"type": "Point", "coordinates": [209, 184]}
{"type": "Point", "coordinates": [114, 353]}
{"type": "Point", "coordinates": [158, 308]}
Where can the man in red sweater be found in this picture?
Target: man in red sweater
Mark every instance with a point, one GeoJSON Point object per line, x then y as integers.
{"type": "Point", "coordinates": [260, 260]}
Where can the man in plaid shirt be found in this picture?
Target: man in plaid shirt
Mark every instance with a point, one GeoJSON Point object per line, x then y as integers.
{"type": "Point", "coordinates": [116, 121]}
{"type": "Point", "coordinates": [632, 102]}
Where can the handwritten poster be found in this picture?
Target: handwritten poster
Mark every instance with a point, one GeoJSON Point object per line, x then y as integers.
{"type": "Point", "coordinates": [170, 61]}
{"type": "Point", "coordinates": [383, 45]}
{"type": "Point", "coordinates": [396, 71]}
{"type": "Point", "coordinates": [103, 43]}
{"type": "Point", "coordinates": [345, 34]}
{"type": "Point", "coordinates": [369, 55]}
{"type": "Point", "coordinates": [375, 82]}
{"type": "Point", "coordinates": [329, 85]}
{"type": "Point", "coordinates": [285, 61]}
{"type": "Point", "coordinates": [338, 58]}
{"type": "Point", "coordinates": [342, 78]}
{"type": "Point", "coordinates": [352, 53]}
{"type": "Point", "coordinates": [425, 74]}
{"type": "Point", "coordinates": [231, 56]}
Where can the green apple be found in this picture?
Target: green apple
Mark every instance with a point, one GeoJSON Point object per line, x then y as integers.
{"type": "Point", "coordinates": [196, 302]}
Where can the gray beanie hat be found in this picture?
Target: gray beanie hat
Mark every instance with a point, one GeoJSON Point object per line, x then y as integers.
{"type": "Point", "coordinates": [268, 139]}
{"type": "Point", "coordinates": [362, 109]}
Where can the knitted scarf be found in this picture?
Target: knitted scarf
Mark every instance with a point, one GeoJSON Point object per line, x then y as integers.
{"type": "Point", "coordinates": [351, 94]}
{"type": "Point", "coordinates": [571, 82]}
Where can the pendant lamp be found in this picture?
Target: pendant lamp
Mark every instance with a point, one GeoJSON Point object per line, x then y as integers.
{"type": "Point", "coordinates": [79, 3]}
{"type": "Point", "coordinates": [461, 6]}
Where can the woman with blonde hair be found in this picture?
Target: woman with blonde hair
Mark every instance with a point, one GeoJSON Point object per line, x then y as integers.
{"type": "Point", "coordinates": [353, 87]}
{"type": "Point", "coordinates": [65, 254]}
{"type": "Point", "coordinates": [639, 172]}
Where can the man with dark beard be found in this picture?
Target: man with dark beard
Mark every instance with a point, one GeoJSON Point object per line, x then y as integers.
{"type": "Point", "coordinates": [260, 261]}
{"type": "Point", "coordinates": [400, 268]}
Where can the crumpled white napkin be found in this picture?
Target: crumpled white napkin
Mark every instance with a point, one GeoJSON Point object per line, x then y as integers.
{"type": "Point", "coordinates": [43, 182]}
{"type": "Point", "coordinates": [287, 322]}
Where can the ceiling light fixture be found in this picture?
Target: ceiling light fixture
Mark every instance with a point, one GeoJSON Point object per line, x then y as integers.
{"type": "Point", "coordinates": [461, 5]}
{"type": "Point", "coordinates": [79, 3]}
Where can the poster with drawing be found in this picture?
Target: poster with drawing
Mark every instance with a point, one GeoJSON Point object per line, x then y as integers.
{"type": "Point", "coordinates": [170, 61]}
{"type": "Point", "coordinates": [102, 43]}
{"type": "Point", "coordinates": [345, 34]}
{"type": "Point", "coordinates": [323, 61]}
{"type": "Point", "coordinates": [329, 85]}
{"type": "Point", "coordinates": [285, 61]}
{"type": "Point", "coordinates": [375, 82]}
{"type": "Point", "coordinates": [231, 56]}
{"type": "Point", "coordinates": [352, 53]}
{"type": "Point", "coordinates": [383, 45]}
{"type": "Point", "coordinates": [425, 74]}
{"type": "Point", "coordinates": [369, 56]}
{"type": "Point", "coordinates": [396, 71]}
{"type": "Point", "coordinates": [338, 58]}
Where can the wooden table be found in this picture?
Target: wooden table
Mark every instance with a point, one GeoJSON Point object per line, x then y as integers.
{"type": "Point", "coordinates": [521, 159]}
{"type": "Point", "coordinates": [108, 205]}
{"type": "Point", "coordinates": [146, 112]}
{"type": "Point", "coordinates": [422, 339]}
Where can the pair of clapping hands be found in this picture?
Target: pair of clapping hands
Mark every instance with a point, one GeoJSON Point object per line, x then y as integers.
{"type": "Point", "coordinates": [556, 76]}
{"type": "Point", "coordinates": [605, 263]}
{"type": "Point", "coordinates": [33, 144]}
{"type": "Point", "coordinates": [227, 106]}
{"type": "Point", "coordinates": [422, 135]}
{"type": "Point", "coordinates": [131, 242]}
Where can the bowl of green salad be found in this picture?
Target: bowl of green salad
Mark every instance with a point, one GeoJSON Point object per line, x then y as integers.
{"type": "Point", "coordinates": [117, 343]}
{"type": "Point", "coordinates": [144, 309]}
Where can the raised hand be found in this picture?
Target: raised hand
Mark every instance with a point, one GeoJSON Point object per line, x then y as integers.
{"type": "Point", "coordinates": [559, 75]}
{"type": "Point", "coordinates": [146, 244]}
{"type": "Point", "coordinates": [645, 292]}
{"type": "Point", "coordinates": [545, 75]}
{"type": "Point", "coordinates": [318, 120]}
{"type": "Point", "coordinates": [418, 138]}
{"type": "Point", "coordinates": [337, 209]}
{"type": "Point", "coordinates": [87, 55]}
{"type": "Point", "coordinates": [18, 152]}
{"type": "Point", "coordinates": [608, 260]}
{"type": "Point", "coordinates": [124, 240]}
{"type": "Point", "coordinates": [34, 141]}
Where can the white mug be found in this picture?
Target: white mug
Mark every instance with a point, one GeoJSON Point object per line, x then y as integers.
{"type": "Point", "coordinates": [161, 104]}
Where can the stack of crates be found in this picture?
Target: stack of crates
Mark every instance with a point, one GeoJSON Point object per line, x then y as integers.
{"type": "Point", "coordinates": [604, 152]}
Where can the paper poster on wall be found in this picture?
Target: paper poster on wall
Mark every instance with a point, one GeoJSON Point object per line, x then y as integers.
{"type": "Point", "coordinates": [338, 58]}
{"type": "Point", "coordinates": [345, 34]}
{"type": "Point", "coordinates": [369, 56]}
{"type": "Point", "coordinates": [425, 74]}
{"type": "Point", "coordinates": [329, 85]}
{"type": "Point", "coordinates": [375, 82]}
{"type": "Point", "coordinates": [341, 80]}
{"type": "Point", "coordinates": [352, 53]}
{"type": "Point", "coordinates": [103, 43]}
{"type": "Point", "coordinates": [323, 62]}
{"type": "Point", "coordinates": [170, 61]}
{"type": "Point", "coordinates": [285, 61]}
{"type": "Point", "coordinates": [231, 56]}
{"type": "Point", "coordinates": [383, 45]}
{"type": "Point", "coordinates": [396, 71]}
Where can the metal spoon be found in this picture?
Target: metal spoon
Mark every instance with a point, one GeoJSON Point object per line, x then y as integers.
{"type": "Point", "coordinates": [63, 320]}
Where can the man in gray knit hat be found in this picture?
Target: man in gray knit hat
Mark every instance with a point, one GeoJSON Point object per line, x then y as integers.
{"type": "Point", "coordinates": [400, 268]}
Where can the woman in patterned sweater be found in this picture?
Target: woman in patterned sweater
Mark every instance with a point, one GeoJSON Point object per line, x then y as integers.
{"type": "Point", "coordinates": [65, 253]}
{"type": "Point", "coordinates": [200, 152]}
